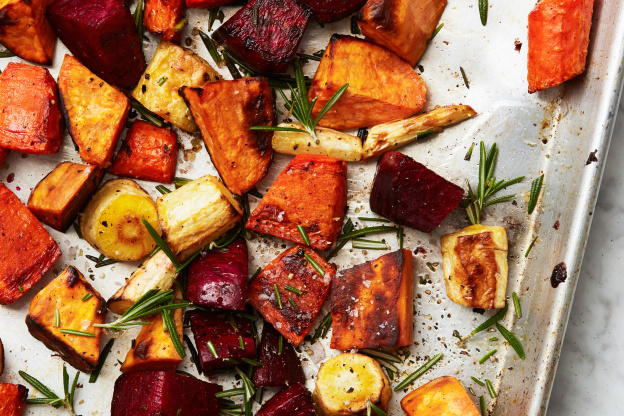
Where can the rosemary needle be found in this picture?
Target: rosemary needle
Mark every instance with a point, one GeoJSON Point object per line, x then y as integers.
{"type": "Point", "coordinates": [516, 303]}
{"type": "Point", "coordinates": [486, 356]}
{"type": "Point", "coordinates": [422, 370]}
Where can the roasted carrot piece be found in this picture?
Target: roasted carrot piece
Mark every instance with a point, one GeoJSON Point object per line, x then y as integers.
{"type": "Point", "coordinates": [444, 396]}
{"type": "Point", "coordinates": [162, 16]}
{"type": "Point", "coordinates": [28, 251]}
{"type": "Point", "coordinates": [12, 399]}
{"type": "Point", "coordinates": [558, 41]}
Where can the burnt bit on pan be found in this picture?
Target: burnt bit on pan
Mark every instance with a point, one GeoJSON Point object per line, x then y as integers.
{"type": "Point", "coordinates": [559, 275]}
{"type": "Point", "coordinates": [556, 225]}
{"type": "Point", "coordinates": [592, 157]}
{"type": "Point", "coordinates": [518, 45]}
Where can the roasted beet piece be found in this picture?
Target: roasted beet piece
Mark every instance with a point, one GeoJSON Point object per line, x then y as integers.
{"type": "Point", "coordinates": [218, 279]}
{"type": "Point", "coordinates": [292, 401]}
{"type": "Point", "coordinates": [158, 393]}
{"type": "Point", "coordinates": [265, 34]}
{"type": "Point", "coordinates": [103, 36]}
{"type": "Point", "coordinates": [410, 194]}
{"type": "Point", "coordinates": [215, 328]}
{"type": "Point", "coordinates": [279, 370]}
{"type": "Point", "coordinates": [207, 4]}
{"type": "Point", "coordinates": [326, 11]}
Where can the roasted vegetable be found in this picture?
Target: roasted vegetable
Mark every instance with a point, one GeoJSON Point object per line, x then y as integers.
{"type": "Point", "coordinates": [346, 383]}
{"type": "Point", "coordinates": [410, 194]}
{"type": "Point", "coordinates": [28, 251]}
{"type": "Point", "coordinates": [3, 155]}
{"type": "Point", "coordinates": [161, 393]}
{"type": "Point", "coordinates": [112, 221]}
{"type": "Point", "coordinates": [197, 214]}
{"type": "Point", "coordinates": [103, 36]}
{"type": "Point", "coordinates": [12, 399]}
{"type": "Point", "coordinates": [26, 32]}
{"type": "Point", "coordinates": [281, 365]}
{"type": "Point", "coordinates": [148, 152]}
{"type": "Point", "coordinates": [61, 306]}
{"type": "Point", "coordinates": [310, 192]}
{"type": "Point", "coordinates": [30, 114]}
{"type": "Point", "coordinates": [403, 26]}
{"type": "Point", "coordinates": [268, 293]}
{"type": "Point", "coordinates": [1, 358]}
{"type": "Point", "coordinates": [163, 16]}
{"type": "Point", "coordinates": [292, 401]}
{"type": "Point", "coordinates": [265, 34]}
{"type": "Point", "coordinates": [444, 396]}
{"type": "Point", "coordinates": [391, 136]}
{"type": "Point", "coordinates": [224, 111]}
{"type": "Point", "coordinates": [218, 279]}
{"type": "Point", "coordinates": [207, 4]}
{"type": "Point", "coordinates": [172, 68]}
{"type": "Point", "coordinates": [219, 342]}
{"type": "Point", "coordinates": [382, 87]}
{"type": "Point", "coordinates": [372, 304]}
{"type": "Point", "coordinates": [59, 196]}
{"type": "Point", "coordinates": [326, 11]}
{"type": "Point", "coordinates": [95, 112]}
{"type": "Point", "coordinates": [558, 41]}
{"type": "Point", "coordinates": [475, 266]}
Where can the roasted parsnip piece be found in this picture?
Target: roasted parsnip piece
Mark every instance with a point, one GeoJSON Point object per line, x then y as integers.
{"type": "Point", "coordinates": [12, 399]}
{"type": "Point", "coordinates": [475, 266]}
{"type": "Point", "coordinates": [26, 32]}
{"type": "Point", "coordinates": [61, 306]}
{"type": "Point", "coordinates": [391, 136]}
{"type": "Point", "coordinates": [444, 396]}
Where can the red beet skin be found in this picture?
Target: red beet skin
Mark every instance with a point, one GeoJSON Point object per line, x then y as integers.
{"type": "Point", "coordinates": [292, 401]}
{"type": "Point", "coordinates": [279, 370]}
{"type": "Point", "coordinates": [218, 279]}
{"type": "Point", "coordinates": [326, 11]}
{"type": "Point", "coordinates": [410, 194]}
{"type": "Point", "coordinates": [207, 4]}
{"type": "Point", "coordinates": [159, 393]}
{"type": "Point", "coordinates": [215, 327]}
{"type": "Point", "coordinates": [103, 36]}
{"type": "Point", "coordinates": [268, 44]}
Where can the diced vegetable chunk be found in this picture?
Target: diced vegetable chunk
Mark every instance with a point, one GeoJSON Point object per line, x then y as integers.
{"type": "Point", "coordinates": [410, 194]}
{"type": "Point", "coordinates": [13, 399]}
{"type": "Point", "coordinates": [280, 368]}
{"type": "Point", "coordinates": [60, 306]}
{"type": "Point", "coordinates": [207, 4]}
{"type": "Point", "coordinates": [292, 401]}
{"type": "Point", "coordinates": [26, 32]}
{"type": "Point", "coordinates": [162, 16]}
{"type": "Point", "coordinates": [294, 269]}
{"type": "Point", "coordinates": [326, 11]}
{"type": "Point", "coordinates": [444, 396]}
{"type": "Point", "coordinates": [28, 251]}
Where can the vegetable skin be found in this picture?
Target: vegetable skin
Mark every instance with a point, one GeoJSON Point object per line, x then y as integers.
{"type": "Point", "coordinates": [13, 399]}
{"type": "Point", "coordinates": [327, 11]}
{"type": "Point", "coordinates": [25, 31]}
{"type": "Point", "coordinates": [162, 16]}
{"type": "Point", "coordinates": [444, 396]}
{"type": "Point", "coordinates": [280, 368]}
{"type": "Point", "coordinates": [291, 401]}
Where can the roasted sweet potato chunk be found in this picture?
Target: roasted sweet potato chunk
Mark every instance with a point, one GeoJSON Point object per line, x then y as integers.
{"type": "Point", "coordinates": [224, 111]}
{"type": "Point", "coordinates": [162, 16]}
{"type": "Point", "coordinates": [444, 396]}
{"type": "Point", "coordinates": [326, 11]}
{"type": "Point", "coordinates": [161, 393]}
{"type": "Point", "coordinates": [382, 87]}
{"type": "Point", "coordinates": [148, 152]}
{"type": "Point", "coordinates": [59, 196]}
{"type": "Point", "coordinates": [292, 401]}
{"type": "Point", "coordinates": [28, 251]}
{"type": "Point", "coordinates": [311, 191]}
{"type": "Point", "coordinates": [265, 34]}
{"type": "Point", "coordinates": [103, 36]}
{"type": "Point", "coordinates": [30, 116]}
{"type": "Point", "coordinates": [12, 399]}
{"type": "Point", "coordinates": [280, 368]}
{"type": "Point", "coordinates": [63, 297]}
{"type": "Point", "coordinates": [292, 268]}
{"type": "Point", "coordinates": [25, 31]}
{"type": "Point", "coordinates": [558, 41]}
{"type": "Point", "coordinates": [371, 304]}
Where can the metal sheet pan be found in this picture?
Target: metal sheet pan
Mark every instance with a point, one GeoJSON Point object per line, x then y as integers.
{"type": "Point", "coordinates": [551, 132]}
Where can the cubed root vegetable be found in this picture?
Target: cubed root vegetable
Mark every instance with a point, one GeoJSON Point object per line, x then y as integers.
{"type": "Point", "coordinates": [444, 396]}
{"type": "Point", "coordinates": [326, 11]}
{"type": "Point", "coordinates": [26, 32]}
{"type": "Point", "coordinates": [28, 251]}
{"type": "Point", "coordinates": [280, 368]}
{"type": "Point", "coordinates": [292, 401]}
{"type": "Point", "coordinates": [382, 87]}
{"type": "Point", "coordinates": [207, 4]}
{"type": "Point", "coordinates": [475, 266]}
{"type": "Point", "coordinates": [63, 298]}
{"type": "Point", "coordinates": [162, 16]}
{"type": "Point", "coordinates": [13, 399]}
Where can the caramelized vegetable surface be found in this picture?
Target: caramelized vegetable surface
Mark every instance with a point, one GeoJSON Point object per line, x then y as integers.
{"type": "Point", "coordinates": [291, 401]}
{"type": "Point", "coordinates": [25, 31]}
{"type": "Point", "coordinates": [444, 396]}
{"type": "Point", "coordinates": [162, 16]}
{"type": "Point", "coordinates": [281, 365]}
{"type": "Point", "coordinates": [12, 399]}
{"type": "Point", "coordinates": [326, 11]}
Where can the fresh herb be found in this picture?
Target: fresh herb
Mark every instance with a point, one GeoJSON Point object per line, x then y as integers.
{"type": "Point", "coordinates": [254, 15]}
{"type": "Point", "coordinates": [57, 318]}
{"type": "Point", "coordinates": [365, 231]}
{"type": "Point", "coordinates": [194, 355]}
{"type": "Point", "coordinates": [293, 289]}
{"type": "Point", "coordinates": [304, 235]}
{"type": "Point", "coordinates": [516, 303]}
{"type": "Point", "coordinates": [422, 370]}
{"type": "Point", "coordinates": [153, 253]}
{"type": "Point", "coordinates": [490, 388]}
{"type": "Point", "coordinates": [138, 17]}
{"type": "Point", "coordinates": [511, 338]}
{"type": "Point", "coordinates": [21, 289]}
{"type": "Point", "coordinates": [400, 237]}
{"type": "Point", "coordinates": [483, 11]}
{"type": "Point", "coordinates": [162, 189]}
{"type": "Point", "coordinates": [79, 333]}
{"type": "Point", "coordinates": [161, 243]}
{"type": "Point", "coordinates": [482, 403]}
{"type": "Point", "coordinates": [231, 62]}
{"type": "Point", "coordinates": [455, 332]}
{"type": "Point", "coordinates": [96, 373]}
{"type": "Point", "coordinates": [280, 345]}
{"type": "Point", "coordinates": [277, 295]}
{"type": "Point", "coordinates": [373, 219]}
{"type": "Point", "coordinates": [212, 349]}
{"type": "Point", "coordinates": [173, 333]}
{"type": "Point", "coordinates": [526, 254]}
{"type": "Point", "coordinates": [77, 229]}
{"type": "Point", "coordinates": [241, 343]}
{"type": "Point", "coordinates": [252, 363]}
{"type": "Point", "coordinates": [308, 57]}
{"type": "Point", "coordinates": [162, 80]}
{"type": "Point", "coordinates": [232, 321]}
{"type": "Point", "coordinates": [248, 386]}
{"type": "Point", "coordinates": [6, 54]}
{"type": "Point", "coordinates": [314, 264]}
{"type": "Point", "coordinates": [212, 49]}
{"type": "Point", "coordinates": [52, 398]}
{"type": "Point", "coordinates": [355, 28]}
{"type": "Point", "coordinates": [493, 339]}
{"type": "Point", "coordinates": [385, 359]}
{"type": "Point", "coordinates": [180, 25]}
{"type": "Point", "coordinates": [471, 390]}
{"type": "Point", "coordinates": [214, 13]}
{"type": "Point", "coordinates": [322, 329]}
{"type": "Point", "coordinates": [253, 276]}
{"type": "Point", "coordinates": [101, 261]}
{"type": "Point", "coordinates": [87, 297]}
{"type": "Point", "coordinates": [435, 32]}
{"type": "Point", "coordinates": [536, 188]}
{"type": "Point", "coordinates": [486, 356]}
{"type": "Point", "coordinates": [360, 243]}
{"type": "Point", "coordinates": [370, 406]}
{"type": "Point", "coordinates": [476, 380]}
{"type": "Point", "coordinates": [348, 227]}
{"type": "Point", "coordinates": [469, 153]}
{"type": "Point", "coordinates": [485, 325]}
{"type": "Point", "coordinates": [255, 192]}
{"type": "Point", "coordinates": [466, 83]}
{"type": "Point", "coordinates": [230, 393]}
{"type": "Point", "coordinates": [180, 182]}
{"type": "Point", "coordinates": [146, 114]}
{"type": "Point", "coordinates": [251, 318]}
{"type": "Point", "coordinates": [293, 304]}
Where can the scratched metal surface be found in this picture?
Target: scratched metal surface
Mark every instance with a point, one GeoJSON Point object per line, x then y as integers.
{"type": "Point", "coordinates": [551, 132]}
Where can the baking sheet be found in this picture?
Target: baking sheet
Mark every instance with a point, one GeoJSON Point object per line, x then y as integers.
{"type": "Point", "coordinates": [551, 132]}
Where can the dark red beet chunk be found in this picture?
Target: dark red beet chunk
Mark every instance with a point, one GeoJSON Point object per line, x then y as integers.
{"type": "Point", "coordinates": [326, 11]}
{"type": "Point", "coordinates": [279, 369]}
{"type": "Point", "coordinates": [218, 279]}
{"type": "Point", "coordinates": [410, 194]}
{"type": "Point", "coordinates": [215, 327]}
{"type": "Point", "coordinates": [267, 43]}
{"type": "Point", "coordinates": [159, 393]}
{"type": "Point", "coordinates": [103, 36]}
{"type": "Point", "coordinates": [292, 401]}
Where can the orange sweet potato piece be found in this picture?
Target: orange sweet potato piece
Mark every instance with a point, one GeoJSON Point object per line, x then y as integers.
{"type": "Point", "coordinates": [95, 111]}
{"type": "Point", "coordinates": [558, 41]}
{"type": "Point", "coordinates": [162, 16]}
{"type": "Point", "coordinates": [371, 304]}
{"type": "Point", "coordinates": [382, 86]}
{"type": "Point", "coordinates": [403, 26]}
{"type": "Point", "coordinates": [12, 399]}
{"type": "Point", "coordinates": [292, 268]}
{"type": "Point", "coordinates": [28, 251]}
{"type": "Point", "coordinates": [311, 191]}
{"type": "Point", "coordinates": [30, 116]}
{"type": "Point", "coordinates": [224, 112]}
{"type": "Point", "coordinates": [59, 196]}
{"type": "Point", "coordinates": [148, 152]}
{"type": "Point", "coordinates": [25, 30]}
{"type": "Point", "coordinates": [444, 396]}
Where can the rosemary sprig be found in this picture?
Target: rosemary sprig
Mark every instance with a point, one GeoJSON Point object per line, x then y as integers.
{"type": "Point", "coordinates": [138, 17]}
{"type": "Point", "coordinates": [516, 303]}
{"type": "Point", "coordinates": [380, 355]}
{"type": "Point", "coordinates": [314, 264]}
{"type": "Point", "coordinates": [422, 370]}
{"type": "Point", "coordinates": [304, 235]}
{"type": "Point", "coordinates": [490, 388]}
{"type": "Point", "coordinates": [464, 77]}
{"type": "Point", "coordinates": [365, 231]}
{"type": "Point", "coordinates": [482, 405]}
{"type": "Point", "coordinates": [194, 355]}
{"type": "Point", "coordinates": [248, 385]}
{"type": "Point", "coordinates": [78, 333]}
{"type": "Point", "coordinates": [362, 244]}
{"type": "Point", "coordinates": [161, 243]}
{"type": "Point", "coordinates": [536, 188]}
{"type": "Point", "coordinates": [485, 325]}
{"type": "Point", "coordinates": [469, 152]}
{"type": "Point", "coordinates": [277, 295]}
{"type": "Point", "coordinates": [483, 11]}
{"type": "Point", "coordinates": [511, 338]}
{"type": "Point", "coordinates": [322, 329]}
{"type": "Point", "coordinates": [52, 398]}
{"type": "Point", "coordinates": [488, 355]}
{"type": "Point", "coordinates": [526, 254]}
{"type": "Point", "coordinates": [476, 380]}
{"type": "Point", "coordinates": [293, 289]}
{"type": "Point", "coordinates": [103, 355]}
{"type": "Point", "coordinates": [371, 406]}
{"type": "Point", "coordinates": [347, 228]}
{"type": "Point", "coordinates": [436, 31]}
{"type": "Point", "coordinates": [173, 333]}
